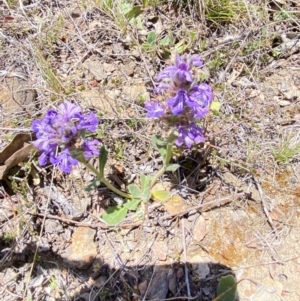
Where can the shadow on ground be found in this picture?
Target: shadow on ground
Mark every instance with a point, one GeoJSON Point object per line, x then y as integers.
{"type": "Point", "coordinates": [51, 279]}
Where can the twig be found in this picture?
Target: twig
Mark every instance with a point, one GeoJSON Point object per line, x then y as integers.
{"type": "Point", "coordinates": [212, 204]}
{"type": "Point", "coordinates": [116, 256]}
{"type": "Point", "coordinates": [39, 241]}
{"type": "Point", "coordinates": [185, 264]}
{"type": "Point", "coordinates": [87, 224]}
{"type": "Point", "coordinates": [265, 209]}
{"type": "Point", "coordinates": [144, 298]}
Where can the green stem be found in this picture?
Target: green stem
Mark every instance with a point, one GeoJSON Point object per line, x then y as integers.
{"type": "Point", "coordinates": [106, 182]}
{"type": "Point", "coordinates": [158, 175]}
{"type": "Point", "coordinates": [164, 168]}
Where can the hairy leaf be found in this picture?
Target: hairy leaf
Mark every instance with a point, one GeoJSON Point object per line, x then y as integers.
{"type": "Point", "coordinates": [114, 215]}
{"type": "Point", "coordinates": [135, 191]}
{"type": "Point", "coordinates": [132, 204]}
{"type": "Point", "coordinates": [172, 167]}
{"type": "Point", "coordinates": [102, 160]}
{"type": "Point", "coordinates": [226, 288]}
{"type": "Point", "coordinates": [93, 185]}
{"type": "Point", "coordinates": [145, 181]}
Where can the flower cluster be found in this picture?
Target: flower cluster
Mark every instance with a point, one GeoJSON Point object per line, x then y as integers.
{"type": "Point", "coordinates": [185, 97]}
{"type": "Point", "coordinates": [60, 132]}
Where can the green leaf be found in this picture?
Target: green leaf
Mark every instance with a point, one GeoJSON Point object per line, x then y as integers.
{"type": "Point", "coordinates": [161, 146]}
{"type": "Point", "coordinates": [146, 195]}
{"type": "Point", "coordinates": [125, 7]}
{"type": "Point", "coordinates": [145, 181]}
{"type": "Point", "coordinates": [172, 167]}
{"type": "Point", "coordinates": [132, 204]}
{"type": "Point", "coordinates": [165, 41]}
{"type": "Point", "coordinates": [226, 288]}
{"type": "Point", "coordinates": [151, 37]}
{"type": "Point", "coordinates": [160, 195]}
{"type": "Point", "coordinates": [114, 215]}
{"type": "Point", "coordinates": [193, 35]}
{"type": "Point", "coordinates": [102, 160]}
{"type": "Point", "coordinates": [135, 191]}
{"type": "Point", "coordinates": [134, 12]}
{"type": "Point", "coordinates": [215, 106]}
{"type": "Point", "coordinates": [93, 185]}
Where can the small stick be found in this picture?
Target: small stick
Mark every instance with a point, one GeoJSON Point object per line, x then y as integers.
{"type": "Point", "coordinates": [185, 265]}
{"type": "Point", "coordinates": [218, 202]}
{"type": "Point", "coordinates": [86, 224]}
{"type": "Point", "coordinates": [265, 209]}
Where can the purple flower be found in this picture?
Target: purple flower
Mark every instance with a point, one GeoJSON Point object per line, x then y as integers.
{"type": "Point", "coordinates": [202, 96]}
{"type": "Point", "coordinates": [179, 102]}
{"type": "Point", "coordinates": [189, 134]}
{"type": "Point", "coordinates": [155, 109]}
{"type": "Point", "coordinates": [180, 74]}
{"type": "Point", "coordinates": [64, 161]}
{"type": "Point", "coordinates": [90, 148]}
{"type": "Point", "coordinates": [89, 123]}
{"type": "Point", "coordinates": [58, 132]}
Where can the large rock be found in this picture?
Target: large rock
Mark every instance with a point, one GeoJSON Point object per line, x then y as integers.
{"type": "Point", "coordinates": [82, 251]}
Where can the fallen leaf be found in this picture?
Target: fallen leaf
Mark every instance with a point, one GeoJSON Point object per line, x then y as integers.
{"type": "Point", "coordinates": [175, 204]}
{"type": "Point", "coordinates": [16, 152]}
{"type": "Point", "coordinates": [160, 195]}
{"type": "Point", "coordinates": [16, 144]}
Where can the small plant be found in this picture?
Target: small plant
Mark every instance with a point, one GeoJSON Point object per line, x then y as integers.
{"type": "Point", "coordinates": [122, 12]}
{"type": "Point", "coordinates": [287, 150]}
{"type": "Point", "coordinates": [222, 11]}
{"type": "Point", "coordinates": [9, 237]}
{"type": "Point", "coordinates": [63, 139]}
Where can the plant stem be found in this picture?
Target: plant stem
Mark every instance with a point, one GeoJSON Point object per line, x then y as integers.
{"type": "Point", "coordinates": [164, 168]}
{"type": "Point", "coordinates": [106, 182]}
{"type": "Point", "coordinates": [158, 175]}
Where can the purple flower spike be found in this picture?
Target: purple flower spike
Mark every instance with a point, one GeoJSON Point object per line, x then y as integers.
{"type": "Point", "coordinates": [90, 148]}
{"type": "Point", "coordinates": [182, 99]}
{"type": "Point", "coordinates": [61, 131]}
{"type": "Point", "coordinates": [180, 74]}
{"type": "Point", "coordinates": [202, 96]}
{"type": "Point", "coordinates": [89, 123]}
{"type": "Point", "coordinates": [69, 110]}
{"type": "Point", "coordinates": [64, 161]}
{"type": "Point", "coordinates": [189, 135]}
{"type": "Point", "coordinates": [177, 103]}
{"type": "Point", "coordinates": [155, 109]}
{"type": "Point", "coordinates": [203, 93]}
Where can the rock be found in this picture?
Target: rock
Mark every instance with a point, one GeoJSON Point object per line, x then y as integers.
{"type": "Point", "coordinates": [199, 265]}
{"type": "Point", "coordinates": [289, 90]}
{"type": "Point", "coordinates": [109, 68]}
{"type": "Point", "coordinates": [270, 290]}
{"type": "Point", "coordinates": [160, 249]}
{"type": "Point", "coordinates": [172, 281]}
{"type": "Point", "coordinates": [139, 92]}
{"type": "Point", "coordinates": [159, 286]}
{"type": "Point", "coordinates": [180, 273]}
{"type": "Point", "coordinates": [16, 96]}
{"type": "Point", "coordinates": [96, 68]}
{"type": "Point", "coordinates": [53, 226]}
{"type": "Point", "coordinates": [199, 230]}
{"type": "Point", "coordinates": [99, 101]}
{"type": "Point", "coordinates": [82, 251]}
{"type": "Point", "coordinates": [143, 287]}
{"type": "Point", "coordinates": [284, 103]}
